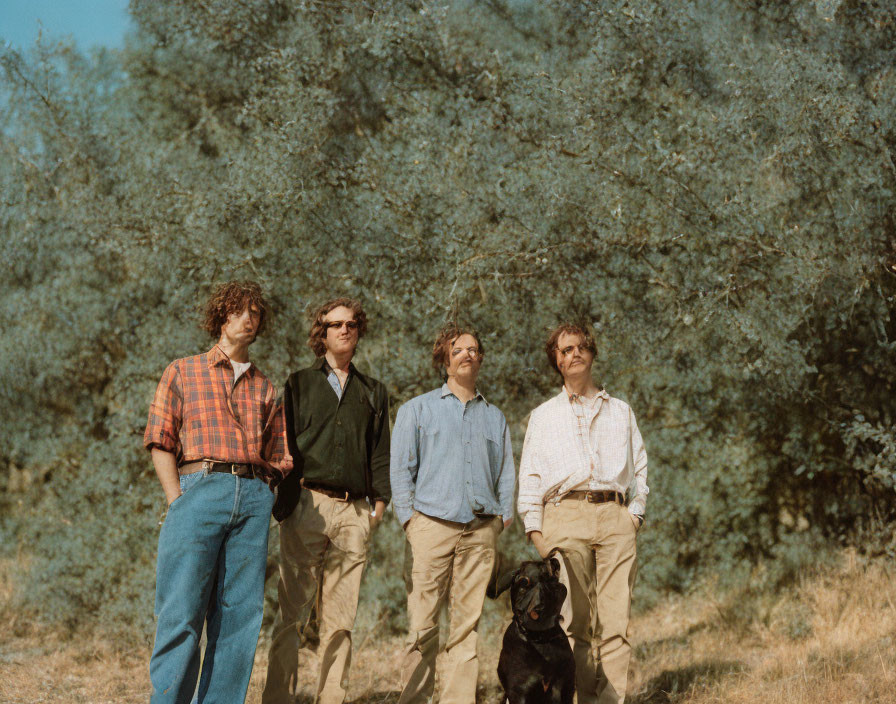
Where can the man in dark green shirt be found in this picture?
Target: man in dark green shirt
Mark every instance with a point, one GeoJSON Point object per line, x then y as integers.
{"type": "Point", "coordinates": [337, 431]}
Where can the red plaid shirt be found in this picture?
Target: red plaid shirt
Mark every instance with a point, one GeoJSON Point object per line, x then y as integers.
{"type": "Point", "coordinates": [198, 413]}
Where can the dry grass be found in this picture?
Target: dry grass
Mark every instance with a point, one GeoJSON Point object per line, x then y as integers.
{"type": "Point", "coordinates": [832, 638]}
{"type": "Point", "coordinates": [39, 664]}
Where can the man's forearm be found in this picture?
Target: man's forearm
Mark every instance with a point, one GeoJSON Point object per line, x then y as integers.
{"type": "Point", "coordinates": [380, 480]}
{"type": "Point", "coordinates": [376, 516]}
{"type": "Point", "coordinates": [292, 448]}
{"type": "Point", "coordinates": [166, 469]}
{"type": "Point", "coordinates": [380, 458]}
{"type": "Point", "coordinates": [507, 481]}
{"type": "Point", "coordinates": [403, 506]}
{"type": "Point", "coordinates": [403, 464]}
{"type": "Point", "coordinates": [538, 542]}
{"type": "Point", "coordinates": [402, 487]}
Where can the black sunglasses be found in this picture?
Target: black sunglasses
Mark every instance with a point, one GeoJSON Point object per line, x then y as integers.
{"type": "Point", "coordinates": [350, 324]}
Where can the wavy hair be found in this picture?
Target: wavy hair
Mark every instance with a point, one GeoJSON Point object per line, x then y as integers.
{"type": "Point", "coordinates": [233, 297]}
{"type": "Point", "coordinates": [550, 347]}
{"type": "Point", "coordinates": [447, 335]}
{"type": "Point", "coordinates": [318, 328]}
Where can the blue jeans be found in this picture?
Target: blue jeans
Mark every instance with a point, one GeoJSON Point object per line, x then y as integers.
{"type": "Point", "coordinates": [212, 556]}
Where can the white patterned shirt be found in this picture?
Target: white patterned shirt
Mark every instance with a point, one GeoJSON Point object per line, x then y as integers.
{"type": "Point", "coordinates": [559, 456]}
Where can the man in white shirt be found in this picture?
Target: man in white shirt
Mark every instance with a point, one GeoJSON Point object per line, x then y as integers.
{"type": "Point", "coordinates": [583, 458]}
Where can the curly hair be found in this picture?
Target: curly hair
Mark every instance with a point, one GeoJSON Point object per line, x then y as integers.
{"type": "Point", "coordinates": [233, 297]}
{"type": "Point", "coordinates": [550, 347]}
{"type": "Point", "coordinates": [318, 329]}
{"type": "Point", "coordinates": [446, 337]}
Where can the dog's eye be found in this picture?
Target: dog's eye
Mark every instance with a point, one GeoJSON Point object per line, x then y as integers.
{"type": "Point", "coordinates": [524, 582]}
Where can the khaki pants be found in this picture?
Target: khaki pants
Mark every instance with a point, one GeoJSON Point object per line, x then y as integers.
{"type": "Point", "coordinates": [597, 544]}
{"type": "Point", "coordinates": [323, 551]}
{"type": "Point", "coordinates": [453, 560]}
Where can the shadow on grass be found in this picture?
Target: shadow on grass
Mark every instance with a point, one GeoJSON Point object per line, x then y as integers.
{"type": "Point", "coordinates": [645, 650]}
{"type": "Point", "coordinates": [669, 686]}
{"type": "Point", "coordinates": [489, 694]}
{"type": "Point", "coordinates": [387, 697]}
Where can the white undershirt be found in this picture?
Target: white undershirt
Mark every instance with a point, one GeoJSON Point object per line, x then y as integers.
{"type": "Point", "coordinates": [239, 368]}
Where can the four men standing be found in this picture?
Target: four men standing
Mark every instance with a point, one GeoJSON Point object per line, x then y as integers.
{"type": "Point", "coordinates": [452, 475]}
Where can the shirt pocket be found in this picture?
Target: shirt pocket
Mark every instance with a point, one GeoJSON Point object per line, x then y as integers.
{"type": "Point", "coordinates": [613, 443]}
{"type": "Point", "coordinates": [429, 431]}
{"type": "Point", "coordinates": [432, 456]}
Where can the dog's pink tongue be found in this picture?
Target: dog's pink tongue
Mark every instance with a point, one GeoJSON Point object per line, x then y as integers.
{"type": "Point", "coordinates": [533, 614]}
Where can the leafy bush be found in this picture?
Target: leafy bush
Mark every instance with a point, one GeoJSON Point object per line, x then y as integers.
{"type": "Point", "coordinates": [709, 184]}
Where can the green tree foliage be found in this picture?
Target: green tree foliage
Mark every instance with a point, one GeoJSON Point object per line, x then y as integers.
{"type": "Point", "coordinates": [710, 184]}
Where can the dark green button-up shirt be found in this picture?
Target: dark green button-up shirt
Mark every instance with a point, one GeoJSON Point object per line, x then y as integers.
{"type": "Point", "coordinates": [340, 442]}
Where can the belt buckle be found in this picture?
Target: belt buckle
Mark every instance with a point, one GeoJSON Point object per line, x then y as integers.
{"type": "Point", "coordinates": [590, 497]}
{"type": "Point", "coordinates": [243, 471]}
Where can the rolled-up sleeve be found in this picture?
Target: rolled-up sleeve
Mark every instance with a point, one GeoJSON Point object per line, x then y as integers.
{"type": "Point", "coordinates": [274, 447]}
{"type": "Point", "coordinates": [404, 463]}
{"type": "Point", "coordinates": [507, 478]}
{"type": "Point", "coordinates": [165, 413]}
{"type": "Point", "coordinates": [638, 504]}
{"type": "Point", "coordinates": [531, 499]}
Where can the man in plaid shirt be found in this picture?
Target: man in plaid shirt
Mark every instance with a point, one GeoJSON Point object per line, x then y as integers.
{"type": "Point", "coordinates": [215, 431]}
{"type": "Point", "coordinates": [583, 491]}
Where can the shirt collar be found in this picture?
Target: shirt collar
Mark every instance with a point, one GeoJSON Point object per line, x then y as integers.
{"type": "Point", "coordinates": [601, 393]}
{"type": "Point", "coordinates": [217, 357]}
{"type": "Point", "coordinates": [446, 391]}
{"type": "Point", "coordinates": [322, 364]}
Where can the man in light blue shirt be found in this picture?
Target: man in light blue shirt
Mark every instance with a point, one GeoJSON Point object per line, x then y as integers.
{"type": "Point", "coordinates": [452, 479]}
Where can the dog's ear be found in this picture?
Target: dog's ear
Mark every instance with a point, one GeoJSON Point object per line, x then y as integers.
{"type": "Point", "coordinates": [554, 565]}
{"type": "Point", "coordinates": [499, 586]}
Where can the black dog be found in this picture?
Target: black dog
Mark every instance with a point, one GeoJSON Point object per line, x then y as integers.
{"type": "Point", "coordinates": [536, 664]}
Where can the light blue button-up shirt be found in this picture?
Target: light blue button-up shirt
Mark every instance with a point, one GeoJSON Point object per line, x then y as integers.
{"type": "Point", "coordinates": [451, 460]}
{"type": "Point", "coordinates": [335, 383]}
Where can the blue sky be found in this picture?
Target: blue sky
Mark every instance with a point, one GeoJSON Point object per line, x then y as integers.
{"type": "Point", "coordinates": [90, 22]}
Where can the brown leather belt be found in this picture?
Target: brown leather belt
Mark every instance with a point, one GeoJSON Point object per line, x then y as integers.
{"type": "Point", "coordinates": [247, 471]}
{"type": "Point", "coordinates": [333, 493]}
{"type": "Point", "coordinates": [596, 497]}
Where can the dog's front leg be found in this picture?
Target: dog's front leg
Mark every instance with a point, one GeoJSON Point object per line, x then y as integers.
{"type": "Point", "coordinates": [565, 690]}
{"type": "Point", "coordinates": [527, 689]}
